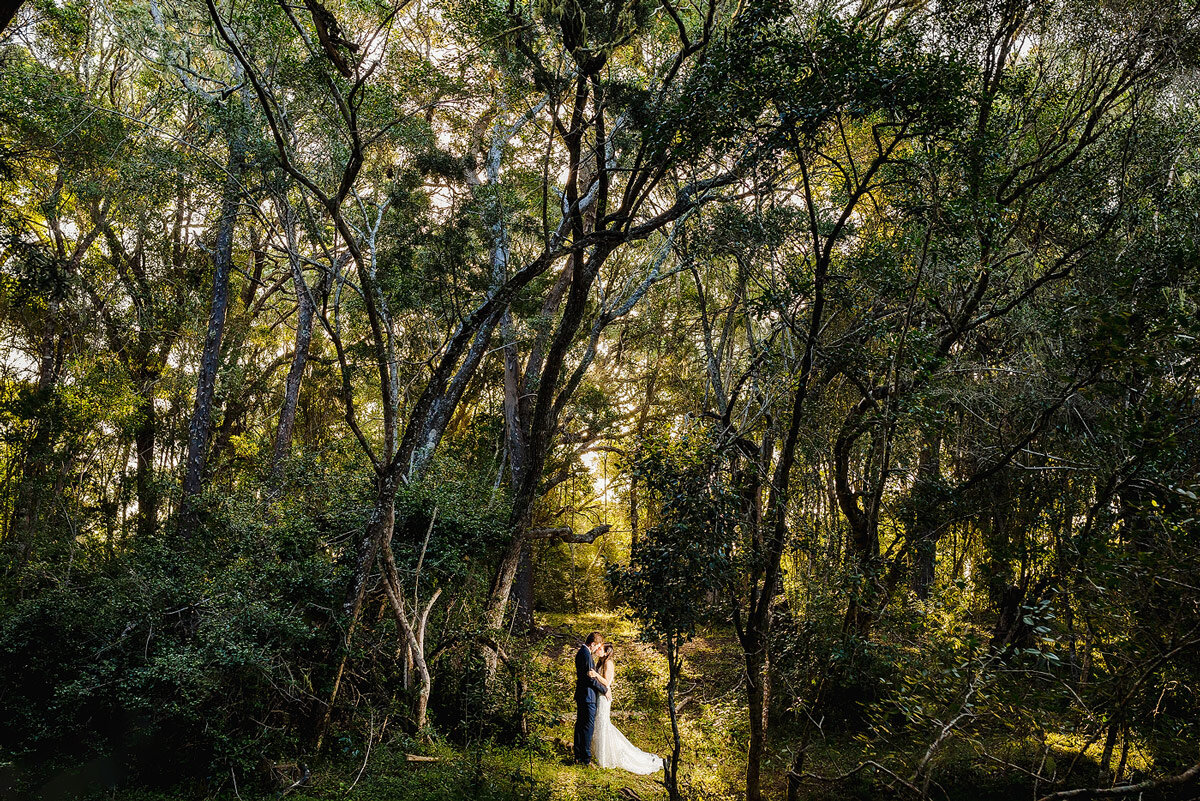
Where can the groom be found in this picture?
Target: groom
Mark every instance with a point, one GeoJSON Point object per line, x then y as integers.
{"type": "Point", "coordinates": [587, 690]}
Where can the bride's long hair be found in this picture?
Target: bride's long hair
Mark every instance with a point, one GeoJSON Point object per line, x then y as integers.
{"type": "Point", "coordinates": [606, 653]}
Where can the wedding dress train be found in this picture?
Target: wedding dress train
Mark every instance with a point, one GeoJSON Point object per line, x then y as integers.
{"type": "Point", "coordinates": [611, 749]}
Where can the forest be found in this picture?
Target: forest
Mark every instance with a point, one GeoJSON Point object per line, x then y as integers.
{"type": "Point", "coordinates": [838, 361]}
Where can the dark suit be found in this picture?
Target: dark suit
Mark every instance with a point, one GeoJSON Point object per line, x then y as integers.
{"type": "Point", "coordinates": [587, 690]}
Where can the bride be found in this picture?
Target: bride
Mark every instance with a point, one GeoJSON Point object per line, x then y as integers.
{"type": "Point", "coordinates": [610, 749]}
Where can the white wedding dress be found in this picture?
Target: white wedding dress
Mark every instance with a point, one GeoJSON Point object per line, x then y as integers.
{"type": "Point", "coordinates": [610, 749]}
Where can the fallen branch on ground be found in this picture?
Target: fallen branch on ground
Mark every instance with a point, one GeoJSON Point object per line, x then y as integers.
{"type": "Point", "coordinates": [1188, 776]}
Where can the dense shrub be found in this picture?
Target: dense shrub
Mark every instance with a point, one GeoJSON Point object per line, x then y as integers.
{"type": "Point", "coordinates": [174, 660]}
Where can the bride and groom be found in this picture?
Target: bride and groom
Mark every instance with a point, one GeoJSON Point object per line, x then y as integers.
{"type": "Point", "coordinates": [595, 735]}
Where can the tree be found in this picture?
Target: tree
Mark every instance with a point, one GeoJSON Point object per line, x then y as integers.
{"type": "Point", "coordinates": [682, 563]}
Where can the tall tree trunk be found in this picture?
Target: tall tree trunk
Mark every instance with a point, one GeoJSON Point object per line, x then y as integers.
{"type": "Point", "coordinates": [542, 424]}
{"type": "Point", "coordinates": [523, 590]}
{"type": "Point", "coordinates": [643, 415]}
{"type": "Point", "coordinates": [671, 768]}
{"type": "Point", "coordinates": [49, 350]}
{"type": "Point", "coordinates": [516, 414]}
{"type": "Point", "coordinates": [200, 427]}
{"type": "Point", "coordinates": [756, 636]}
{"type": "Point", "coordinates": [304, 329]}
{"type": "Point", "coordinates": [862, 546]}
{"type": "Point", "coordinates": [927, 524]}
{"type": "Point", "coordinates": [502, 584]}
{"type": "Point", "coordinates": [29, 494]}
{"type": "Point", "coordinates": [759, 697]}
{"type": "Point", "coordinates": [144, 442]}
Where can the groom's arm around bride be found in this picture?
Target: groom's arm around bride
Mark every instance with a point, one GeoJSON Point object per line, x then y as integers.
{"type": "Point", "coordinates": [585, 664]}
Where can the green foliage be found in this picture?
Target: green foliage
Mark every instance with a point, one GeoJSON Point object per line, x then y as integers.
{"type": "Point", "coordinates": [174, 661]}
{"type": "Point", "coordinates": [685, 557]}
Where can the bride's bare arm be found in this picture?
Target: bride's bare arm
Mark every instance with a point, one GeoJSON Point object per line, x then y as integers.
{"type": "Point", "coordinates": [605, 681]}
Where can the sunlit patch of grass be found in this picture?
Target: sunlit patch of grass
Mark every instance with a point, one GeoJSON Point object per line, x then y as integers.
{"type": "Point", "coordinates": [610, 623]}
{"type": "Point", "coordinates": [489, 773]}
{"type": "Point", "coordinates": [711, 720]}
{"type": "Point", "coordinates": [1138, 757]}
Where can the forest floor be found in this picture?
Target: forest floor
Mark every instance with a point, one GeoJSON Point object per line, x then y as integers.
{"type": "Point", "coordinates": [712, 720]}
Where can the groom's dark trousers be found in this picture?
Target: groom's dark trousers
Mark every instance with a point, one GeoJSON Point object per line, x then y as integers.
{"type": "Point", "coordinates": [587, 690]}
